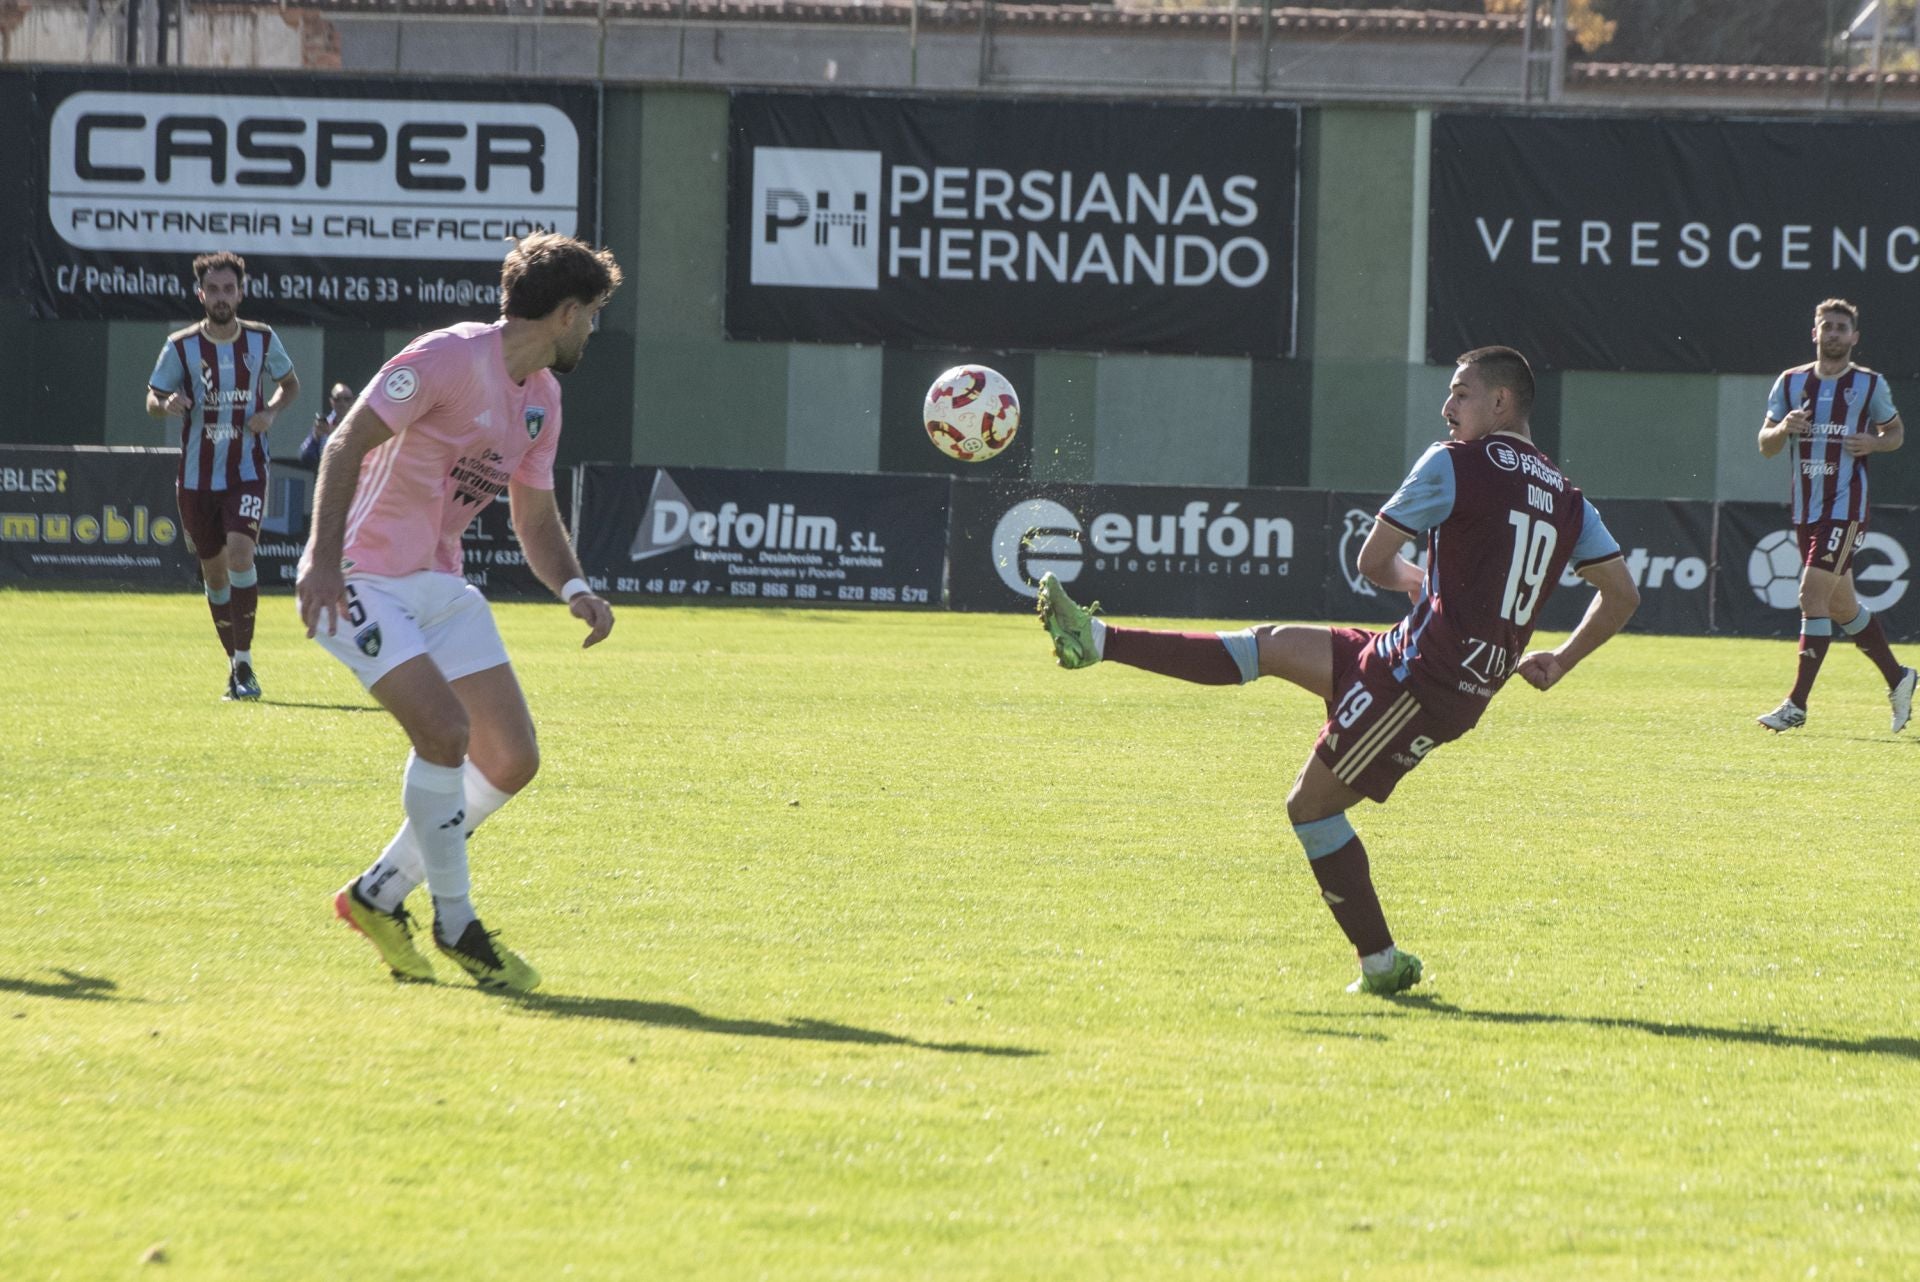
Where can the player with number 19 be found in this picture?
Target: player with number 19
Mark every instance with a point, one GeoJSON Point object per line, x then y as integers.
{"type": "Point", "coordinates": [1501, 522]}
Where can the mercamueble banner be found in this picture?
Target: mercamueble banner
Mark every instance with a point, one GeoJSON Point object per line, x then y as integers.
{"type": "Point", "coordinates": [1012, 224]}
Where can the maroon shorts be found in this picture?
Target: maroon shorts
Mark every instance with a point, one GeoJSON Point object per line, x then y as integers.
{"type": "Point", "coordinates": [208, 516]}
{"type": "Point", "coordinates": [1377, 729]}
{"type": "Point", "coordinates": [1828, 545]}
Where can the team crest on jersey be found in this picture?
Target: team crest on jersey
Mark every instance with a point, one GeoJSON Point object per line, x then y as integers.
{"type": "Point", "coordinates": [1847, 394]}
{"type": "Point", "coordinates": [1504, 456]}
{"type": "Point", "coordinates": [368, 639]}
{"type": "Point", "coordinates": [536, 419]}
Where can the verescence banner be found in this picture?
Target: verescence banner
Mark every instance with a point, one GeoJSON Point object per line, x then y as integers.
{"type": "Point", "coordinates": [999, 223]}
{"type": "Point", "coordinates": [382, 203]}
{"type": "Point", "coordinates": [799, 538]}
{"type": "Point", "coordinates": [1683, 245]}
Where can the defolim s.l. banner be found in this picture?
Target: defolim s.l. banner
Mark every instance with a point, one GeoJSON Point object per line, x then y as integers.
{"type": "Point", "coordinates": [998, 223]}
{"type": "Point", "coordinates": [383, 203]}
{"type": "Point", "coordinates": [1670, 245]}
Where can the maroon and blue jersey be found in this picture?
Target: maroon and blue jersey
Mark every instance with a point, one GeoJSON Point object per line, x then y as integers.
{"type": "Point", "coordinates": [1501, 523]}
{"type": "Point", "coordinates": [228, 384]}
{"type": "Point", "coordinates": [1827, 484]}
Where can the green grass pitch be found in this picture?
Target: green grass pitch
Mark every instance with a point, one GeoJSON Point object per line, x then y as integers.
{"type": "Point", "coordinates": [879, 948]}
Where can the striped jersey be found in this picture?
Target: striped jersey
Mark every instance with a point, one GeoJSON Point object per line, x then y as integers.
{"type": "Point", "coordinates": [228, 383]}
{"type": "Point", "coordinates": [1501, 522]}
{"type": "Point", "coordinates": [1827, 484]}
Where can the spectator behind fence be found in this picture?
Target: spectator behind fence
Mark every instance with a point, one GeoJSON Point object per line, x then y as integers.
{"type": "Point", "coordinates": [339, 401]}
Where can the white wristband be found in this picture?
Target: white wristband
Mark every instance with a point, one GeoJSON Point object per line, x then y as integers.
{"type": "Point", "coordinates": [573, 588]}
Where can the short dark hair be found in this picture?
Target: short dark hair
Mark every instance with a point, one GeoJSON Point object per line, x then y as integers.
{"type": "Point", "coordinates": [1840, 305]}
{"type": "Point", "coordinates": [546, 269]}
{"type": "Point", "coordinates": [225, 260]}
{"type": "Point", "coordinates": [1504, 367]}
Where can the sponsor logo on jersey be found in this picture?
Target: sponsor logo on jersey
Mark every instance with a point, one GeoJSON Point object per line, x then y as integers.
{"type": "Point", "coordinates": [401, 384]}
{"type": "Point", "coordinates": [1504, 456]}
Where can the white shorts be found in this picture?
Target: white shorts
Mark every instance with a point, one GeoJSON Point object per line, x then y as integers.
{"type": "Point", "coordinates": [389, 621]}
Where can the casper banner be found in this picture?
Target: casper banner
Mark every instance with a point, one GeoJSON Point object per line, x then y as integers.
{"type": "Point", "coordinates": [803, 538]}
{"type": "Point", "coordinates": [1683, 245]}
{"type": "Point", "coordinates": [1141, 549]}
{"type": "Point", "coordinates": [997, 223]}
{"type": "Point", "coordinates": [1757, 594]}
{"type": "Point", "coordinates": [91, 515]}
{"type": "Point", "coordinates": [382, 203]}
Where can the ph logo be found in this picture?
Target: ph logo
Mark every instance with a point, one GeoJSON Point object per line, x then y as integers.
{"type": "Point", "coordinates": [815, 218]}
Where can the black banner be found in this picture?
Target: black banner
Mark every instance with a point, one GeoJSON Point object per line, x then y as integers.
{"type": "Point", "coordinates": [791, 538]}
{"type": "Point", "coordinates": [1668, 545]}
{"type": "Point", "coordinates": [359, 201]}
{"type": "Point", "coordinates": [18, 146]}
{"type": "Point", "coordinates": [1351, 598]}
{"type": "Point", "coordinates": [1002, 223]}
{"type": "Point", "coordinates": [92, 515]}
{"type": "Point", "coordinates": [490, 555]}
{"type": "Point", "coordinates": [1141, 549]}
{"type": "Point", "coordinates": [1757, 594]}
{"type": "Point", "coordinates": [1684, 245]}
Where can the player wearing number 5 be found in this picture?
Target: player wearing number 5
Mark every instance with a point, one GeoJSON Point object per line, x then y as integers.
{"type": "Point", "coordinates": [1500, 522]}
{"type": "Point", "coordinates": [215, 374]}
{"type": "Point", "coordinates": [1835, 414]}
{"type": "Point", "coordinates": [460, 417]}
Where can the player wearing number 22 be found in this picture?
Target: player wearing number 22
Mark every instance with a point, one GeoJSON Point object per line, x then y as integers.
{"type": "Point", "coordinates": [458, 418]}
{"type": "Point", "coordinates": [227, 379]}
{"type": "Point", "coordinates": [1501, 523]}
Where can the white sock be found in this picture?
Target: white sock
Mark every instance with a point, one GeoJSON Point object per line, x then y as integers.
{"type": "Point", "coordinates": [1379, 963]}
{"type": "Point", "coordinates": [399, 869]}
{"type": "Point", "coordinates": [436, 806]}
{"type": "Point", "coordinates": [1099, 627]}
{"type": "Point", "coordinates": [243, 656]}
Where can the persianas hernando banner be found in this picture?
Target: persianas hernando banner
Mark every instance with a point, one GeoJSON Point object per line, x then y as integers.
{"type": "Point", "coordinates": [383, 203]}
{"type": "Point", "coordinates": [1022, 224]}
{"type": "Point", "coordinates": [1683, 245]}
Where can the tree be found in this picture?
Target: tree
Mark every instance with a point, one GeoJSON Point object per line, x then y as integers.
{"type": "Point", "coordinates": [1589, 29]}
{"type": "Point", "coordinates": [1766, 32]}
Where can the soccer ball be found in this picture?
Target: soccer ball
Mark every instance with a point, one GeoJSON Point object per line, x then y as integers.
{"type": "Point", "coordinates": [971, 413]}
{"type": "Point", "coordinates": [1773, 570]}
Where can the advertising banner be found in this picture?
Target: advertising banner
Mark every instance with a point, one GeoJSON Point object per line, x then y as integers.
{"type": "Point", "coordinates": [1684, 245]}
{"type": "Point", "coordinates": [1668, 545]}
{"type": "Point", "coordinates": [793, 538]}
{"type": "Point", "coordinates": [383, 203]}
{"type": "Point", "coordinates": [1005, 223]}
{"type": "Point", "coordinates": [1758, 590]}
{"type": "Point", "coordinates": [91, 516]}
{"type": "Point", "coordinates": [17, 148]}
{"type": "Point", "coordinates": [1350, 597]}
{"type": "Point", "coordinates": [1141, 549]}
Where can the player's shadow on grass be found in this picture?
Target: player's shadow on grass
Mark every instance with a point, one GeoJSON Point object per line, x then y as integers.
{"type": "Point", "coordinates": [1902, 1047]}
{"type": "Point", "coordinates": [666, 1015]}
{"type": "Point", "coordinates": [73, 987]}
{"type": "Point", "coordinates": [323, 707]}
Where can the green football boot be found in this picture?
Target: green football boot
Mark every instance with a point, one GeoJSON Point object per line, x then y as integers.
{"type": "Point", "coordinates": [492, 964]}
{"type": "Point", "coordinates": [1069, 625]}
{"type": "Point", "coordinates": [1405, 974]}
{"type": "Point", "coordinates": [391, 933]}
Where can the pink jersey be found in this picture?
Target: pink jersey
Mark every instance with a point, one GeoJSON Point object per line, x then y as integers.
{"type": "Point", "coordinates": [462, 429]}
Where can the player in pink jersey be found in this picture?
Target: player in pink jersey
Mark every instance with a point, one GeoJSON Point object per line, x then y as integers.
{"type": "Point", "coordinates": [1835, 414]}
{"type": "Point", "coordinates": [215, 375]}
{"type": "Point", "coordinates": [1500, 522]}
{"type": "Point", "coordinates": [458, 418]}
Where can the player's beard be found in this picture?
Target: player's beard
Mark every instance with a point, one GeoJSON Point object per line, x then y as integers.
{"type": "Point", "coordinates": [1834, 351]}
{"type": "Point", "coordinates": [220, 313]}
{"type": "Point", "coordinates": [565, 362]}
